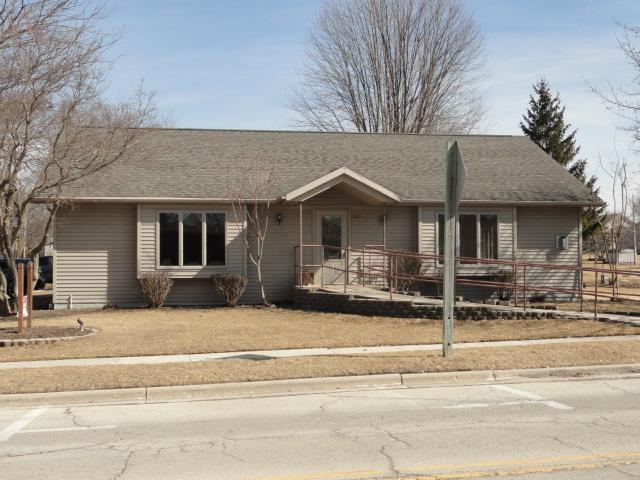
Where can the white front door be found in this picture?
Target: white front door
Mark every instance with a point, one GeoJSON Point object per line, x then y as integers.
{"type": "Point", "coordinates": [331, 230]}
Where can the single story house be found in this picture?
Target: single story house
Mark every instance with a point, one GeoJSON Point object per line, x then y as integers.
{"type": "Point", "coordinates": [170, 210]}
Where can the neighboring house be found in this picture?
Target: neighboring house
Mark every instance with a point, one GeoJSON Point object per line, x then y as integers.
{"type": "Point", "coordinates": [169, 210]}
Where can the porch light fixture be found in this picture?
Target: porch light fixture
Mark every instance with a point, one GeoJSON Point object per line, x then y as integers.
{"type": "Point", "coordinates": [382, 218]}
{"type": "Point", "coordinates": [279, 217]}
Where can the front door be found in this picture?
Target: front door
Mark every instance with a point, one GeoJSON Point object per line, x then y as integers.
{"type": "Point", "coordinates": [331, 231]}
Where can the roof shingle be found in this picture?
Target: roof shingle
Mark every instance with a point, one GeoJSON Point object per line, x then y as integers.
{"type": "Point", "coordinates": [197, 164]}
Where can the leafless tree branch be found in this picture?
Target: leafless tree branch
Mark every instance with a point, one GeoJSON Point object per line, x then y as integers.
{"type": "Point", "coordinates": [398, 66]}
{"type": "Point", "coordinates": [55, 127]}
{"type": "Point", "coordinates": [250, 193]}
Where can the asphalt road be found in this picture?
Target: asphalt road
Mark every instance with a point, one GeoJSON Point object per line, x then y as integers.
{"type": "Point", "coordinates": [562, 430]}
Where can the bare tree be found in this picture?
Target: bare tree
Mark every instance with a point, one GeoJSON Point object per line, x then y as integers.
{"type": "Point", "coordinates": [55, 127]}
{"type": "Point", "coordinates": [398, 66]}
{"type": "Point", "coordinates": [625, 99]}
{"type": "Point", "coordinates": [251, 203]}
{"type": "Point", "coordinates": [616, 221]}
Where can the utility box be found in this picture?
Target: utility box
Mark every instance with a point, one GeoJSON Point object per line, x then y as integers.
{"type": "Point", "coordinates": [562, 242]}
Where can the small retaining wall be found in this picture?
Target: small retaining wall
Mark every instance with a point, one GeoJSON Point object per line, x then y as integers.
{"type": "Point", "coordinates": [345, 303]}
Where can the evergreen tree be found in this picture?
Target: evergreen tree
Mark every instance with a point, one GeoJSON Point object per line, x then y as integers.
{"type": "Point", "coordinates": [544, 124]}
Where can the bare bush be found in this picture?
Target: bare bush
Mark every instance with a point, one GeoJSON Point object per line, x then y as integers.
{"type": "Point", "coordinates": [505, 290]}
{"type": "Point", "coordinates": [155, 287]}
{"type": "Point", "coordinates": [407, 265]}
{"type": "Point", "coordinates": [230, 286]}
{"type": "Point", "coordinates": [538, 296]}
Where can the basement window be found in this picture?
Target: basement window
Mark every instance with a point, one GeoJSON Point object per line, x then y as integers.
{"type": "Point", "coordinates": [477, 235]}
{"type": "Point", "coordinates": [191, 239]}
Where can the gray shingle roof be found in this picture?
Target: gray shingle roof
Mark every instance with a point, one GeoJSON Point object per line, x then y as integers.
{"type": "Point", "coordinates": [197, 164]}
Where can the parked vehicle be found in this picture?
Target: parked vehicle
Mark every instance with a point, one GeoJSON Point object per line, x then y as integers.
{"type": "Point", "coordinates": [45, 271]}
{"type": "Point", "coordinates": [8, 273]}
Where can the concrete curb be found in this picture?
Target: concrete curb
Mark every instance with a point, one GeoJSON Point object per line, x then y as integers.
{"type": "Point", "coordinates": [221, 391]}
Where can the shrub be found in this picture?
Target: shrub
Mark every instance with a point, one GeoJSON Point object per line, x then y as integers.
{"type": "Point", "coordinates": [408, 265]}
{"type": "Point", "coordinates": [538, 297]}
{"type": "Point", "coordinates": [505, 291]}
{"type": "Point", "coordinates": [155, 287]}
{"type": "Point", "coordinates": [230, 286]}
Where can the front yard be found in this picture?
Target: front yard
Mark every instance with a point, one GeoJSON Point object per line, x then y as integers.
{"type": "Point", "coordinates": [176, 331]}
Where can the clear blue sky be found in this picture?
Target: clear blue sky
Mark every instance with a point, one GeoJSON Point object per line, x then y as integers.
{"type": "Point", "coordinates": [232, 64]}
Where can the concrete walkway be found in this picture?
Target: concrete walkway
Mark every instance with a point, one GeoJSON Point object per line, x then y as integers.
{"type": "Point", "coordinates": [258, 355]}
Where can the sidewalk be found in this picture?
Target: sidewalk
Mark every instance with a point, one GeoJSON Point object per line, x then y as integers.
{"type": "Point", "coordinates": [258, 355]}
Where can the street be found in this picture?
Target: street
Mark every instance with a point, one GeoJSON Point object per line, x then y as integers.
{"type": "Point", "coordinates": [562, 430]}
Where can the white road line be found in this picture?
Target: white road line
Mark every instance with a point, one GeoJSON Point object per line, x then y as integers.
{"type": "Point", "coordinates": [495, 404]}
{"type": "Point", "coordinates": [534, 397]}
{"type": "Point", "coordinates": [66, 429]}
{"type": "Point", "coordinates": [19, 424]}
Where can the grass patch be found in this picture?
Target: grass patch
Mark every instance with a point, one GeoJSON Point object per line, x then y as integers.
{"type": "Point", "coordinates": [221, 371]}
{"type": "Point", "coordinates": [175, 331]}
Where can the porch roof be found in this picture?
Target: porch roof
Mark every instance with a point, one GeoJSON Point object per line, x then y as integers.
{"type": "Point", "coordinates": [357, 185]}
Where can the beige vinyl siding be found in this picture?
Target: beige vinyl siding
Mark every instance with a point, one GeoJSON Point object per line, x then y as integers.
{"type": "Point", "coordinates": [192, 291]}
{"type": "Point", "coordinates": [537, 230]}
{"type": "Point", "coordinates": [278, 259]}
{"type": "Point", "coordinates": [95, 256]}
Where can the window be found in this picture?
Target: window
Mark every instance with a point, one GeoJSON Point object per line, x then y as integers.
{"type": "Point", "coordinates": [477, 235]}
{"type": "Point", "coordinates": [191, 239]}
{"type": "Point", "coordinates": [169, 239]}
{"type": "Point", "coordinates": [332, 236]}
{"type": "Point", "coordinates": [215, 239]}
{"type": "Point", "coordinates": [489, 236]}
{"type": "Point", "coordinates": [468, 238]}
{"type": "Point", "coordinates": [441, 237]}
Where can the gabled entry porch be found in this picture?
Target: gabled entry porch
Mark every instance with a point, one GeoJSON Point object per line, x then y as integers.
{"type": "Point", "coordinates": [344, 210]}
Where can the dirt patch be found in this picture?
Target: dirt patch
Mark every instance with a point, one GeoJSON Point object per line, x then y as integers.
{"type": "Point", "coordinates": [241, 370]}
{"type": "Point", "coordinates": [177, 331]}
{"type": "Point", "coordinates": [11, 333]}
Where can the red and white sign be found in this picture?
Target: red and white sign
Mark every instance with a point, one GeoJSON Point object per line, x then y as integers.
{"type": "Point", "coordinates": [25, 310]}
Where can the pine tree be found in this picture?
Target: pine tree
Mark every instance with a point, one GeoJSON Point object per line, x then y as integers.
{"type": "Point", "coordinates": [544, 124]}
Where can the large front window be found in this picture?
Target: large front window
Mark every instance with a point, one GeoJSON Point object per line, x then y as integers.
{"type": "Point", "coordinates": [477, 235]}
{"type": "Point", "coordinates": [191, 239]}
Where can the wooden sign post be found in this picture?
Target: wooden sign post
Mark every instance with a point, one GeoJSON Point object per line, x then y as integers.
{"type": "Point", "coordinates": [455, 177]}
{"type": "Point", "coordinates": [29, 295]}
{"type": "Point", "coordinates": [20, 290]}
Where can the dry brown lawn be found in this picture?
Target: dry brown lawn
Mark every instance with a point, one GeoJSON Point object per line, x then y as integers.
{"type": "Point", "coordinates": [175, 331]}
{"type": "Point", "coordinates": [218, 371]}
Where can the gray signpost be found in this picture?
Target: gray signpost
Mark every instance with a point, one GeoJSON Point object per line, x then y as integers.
{"type": "Point", "coordinates": [455, 176]}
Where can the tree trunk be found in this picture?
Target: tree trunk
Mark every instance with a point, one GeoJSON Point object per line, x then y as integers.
{"type": "Point", "coordinates": [265, 302]}
{"type": "Point", "coordinates": [5, 305]}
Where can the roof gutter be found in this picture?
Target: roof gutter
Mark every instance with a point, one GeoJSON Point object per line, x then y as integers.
{"type": "Point", "coordinates": [523, 203]}
{"type": "Point", "coordinates": [147, 200]}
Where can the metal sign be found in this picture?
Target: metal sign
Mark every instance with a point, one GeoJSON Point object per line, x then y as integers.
{"type": "Point", "coordinates": [455, 177]}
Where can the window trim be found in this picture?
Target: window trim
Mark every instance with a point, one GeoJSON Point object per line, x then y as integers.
{"type": "Point", "coordinates": [181, 266]}
{"type": "Point", "coordinates": [478, 235]}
